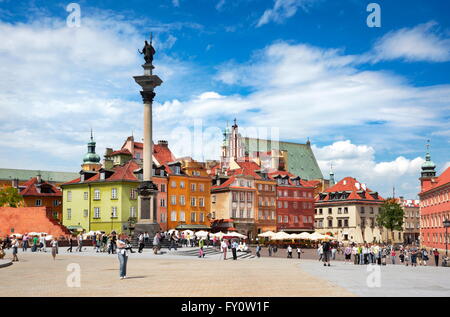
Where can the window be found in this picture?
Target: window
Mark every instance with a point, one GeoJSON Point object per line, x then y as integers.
{"type": "Point", "coordinates": [363, 222]}
{"type": "Point", "coordinates": [85, 195]}
{"type": "Point", "coordinates": [201, 202]}
{"type": "Point", "coordinates": [213, 199]}
{"type": "Point", "coordinates": [295, 205]}
{"type": "Point", "coordinates": [330, 211]}
{"type": "Point", "coordinates": [182, 216]}
{"type": "Point", "coordinates": [114, 212]}
{"type": "Point", "coordinates": [249, 196]}
{"type": "Point", "coordinates": [96, 212]}
{"type": "Point", "coordinates": [163, 188]}
{"type": "Point", "coordinates": [182, 200]}
{"type": "Point", "coordinates": [193, 217]}
{"type": "Point", "coordinates": [241, 213]}
{"type": "Point", "coordinates": [242, 196]}
{"type": "Point", "coordinates": [345, 222]}
{"type": "Point", "coordinates": [339, 223]}
{"type": "Point", "coordinates": [133, 193]}
{"type": "Point", "coordinates": [233, 213]}
{"type": "Point", "coordinates": [362, 210]}
{"type": "Point", "coordinates": [173, 200]}
{"type": "Point", "coordinates": [193, 201]}
{"type": "Point", "coordinates": [162, 202]}
{"type": "Point", "coordinates": [201, 187]}
{"type": "Point", "coordinates": [234, 196]}
{"type": "Point", "coordinates": [97, 194]}
{"type": "Point", "coordinates": [69, 213]}
{"type": "Point", "coordinates": [163, 218]}
{"type": "Point", "coordinates": [296, 219]}
{"type": "Point", "coordinates": [260, 187]}
{"type": "Point", "coordinates": [280, 204]}
{"type": "Point", "coordinates": [286, 219]}
{"type": "Point", "coordinates": [173, 216]}
{"type": "Point", "coordinates": [132, 211]}
{"type": "Point", "coordinates": [193, 187]}
{"type": "Point", "coordinates": [320, 211]}
{"type": "Point", "coordinates": [273, 215]}
{"type": "Point", "coordinates": [174, 184]}
{"type": "Point", "coordinates": [202, 217]}
{"type": "Point", "coordinates": [114, 193]}
{"type": "Point", "coordinates": [182, 184]}
{"type": "Point", "coordinates": [339, 211]}
{"type": "Point", "coordinates": [371, 210]}
{"type": "Point", "coordinates": [69, 195]}
{"type": "Point", "coordinates": [249, 213]}
{"type": "Point", "coordinates": [38, 202]}
{"type": "Point", "coordinates": [177, 170]}
{"type": "Point", "coordinates": [286, 204]}
{"type": "Point", "coordinates": [345, 210]}
{"type": "Point", "coordinates": [85, 212]}
{"type": "Point", "coordinates": [330, 223]}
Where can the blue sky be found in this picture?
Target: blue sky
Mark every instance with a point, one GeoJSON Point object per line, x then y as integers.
{"type": "Point", "coordinates": [368, 98]}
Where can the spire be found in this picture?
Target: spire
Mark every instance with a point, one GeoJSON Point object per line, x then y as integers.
{"type": "Point", "coordinates": [235, 124]}
{"type": "Point", "coordinates": [428, 167]}
{"type": "Point", "coordinates": [92, 137]}
{"type": "Point", "coordinates": [91, 156]}
{"type": "Point", "coordinates": [331, 175]}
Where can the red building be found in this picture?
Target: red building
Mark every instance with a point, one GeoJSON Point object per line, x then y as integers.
{"type": "Point", "coordinates": [295, 203]}
{"type": "Point", "coordinates": [38, 193]}
{"type": "Point", "coordinates": [434, 205]}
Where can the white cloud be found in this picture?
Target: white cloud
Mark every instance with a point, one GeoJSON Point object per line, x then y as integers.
{"type": "Point", "coordinates": [282, 10]}
{"type": "Point", "coordinates": [176, 3]}
{"type": "Point", "coordinates": [420, 43]}
{"type": "Point", "coordinates": [358, 161]}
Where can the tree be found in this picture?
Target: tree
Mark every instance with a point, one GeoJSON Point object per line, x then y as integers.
{"type": "Point", "coordinates": [391, 216]}
{"type": "Point", "coordinates": [9, 197]}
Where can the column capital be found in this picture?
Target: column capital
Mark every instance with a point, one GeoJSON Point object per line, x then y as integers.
{"type": "Point", "coordinates": [147, 96]}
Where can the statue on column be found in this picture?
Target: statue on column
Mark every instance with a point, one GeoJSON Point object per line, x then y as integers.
{"type": "Point", "coordinates": [148, 51]}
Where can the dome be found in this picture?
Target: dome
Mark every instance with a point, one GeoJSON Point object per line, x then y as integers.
{"type": "Point", "coordinates": [91, 158]}
{"type": "Point", "coordinates": [428, 164]}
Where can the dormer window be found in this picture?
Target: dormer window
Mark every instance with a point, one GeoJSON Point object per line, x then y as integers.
{"type": "Point", "coordinates": [177, 170]}
{"type": "Point", "coordinates": [102, 175]}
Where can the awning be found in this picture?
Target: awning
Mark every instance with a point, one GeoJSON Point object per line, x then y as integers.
{"type": "Point", "coordinates": [192, 227]}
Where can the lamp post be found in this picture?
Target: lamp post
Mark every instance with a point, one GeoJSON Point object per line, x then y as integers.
{"type": "Point", "coordinates": [446, 225]}
{"type": "Point", "coordinates": [112, 221]}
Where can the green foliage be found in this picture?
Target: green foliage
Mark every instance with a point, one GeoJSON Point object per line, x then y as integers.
{"type": "Point", "coordinates": [132, 220]}
{"type": "Point", "coordinates": [391, 215]}
{"type": "Point", "coordinates": [9, 197]}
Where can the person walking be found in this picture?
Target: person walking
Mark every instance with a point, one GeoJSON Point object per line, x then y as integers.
{"type": "Point", "coordinates": [201, 244]}
{"type": "Point", "coordinates": [156, 243]}
{"type": "Point", "coordinates": [355, 254]}
{"type": "Point", "coordinates": [320, 251]}
{"type": "Point", "coordinates": [436, 256]}
{"type": "Point", "coordinates": [333, 251]}
{"type": "Point", "coordinates": [70, 244]}
{"type": "Point", "coordinates": [289, 251]}
{"type": "Point", "coordinates": [15, 248]}
{"type": "Point", "coordinates": [270, 249]}
{"type": "Point", "coordinates": [54, 246]}
{"type": "Point", "coordinates": [224, 247]}
{"type": "Point", "coordinates": [173, 241]}
{"type": "Point", "coordinates": [123, 256]}
{"type": "Point", "coordinates": [79, 242]}
{"type": "Point", "coordinates": [141, 242]}
{"type": "Point", "coordinates": [326, 253]}
{"type": "Point", "coordinates": [299, 251]}
{"type": "Point", "coordinates": [234, 246]}
{"type": "Point", "coordinates": [407, 256]}
{"type": "Point", "coordinates": [393, 254]}
{"type": "Point", "coordinates": [42, 243]}
{"type": "Point", "coordinates": [414, 256]}
{"type": "Point", "coordinates": [25, 242]}
{"type": "Point", "coordinates": [258, 250]}
{"type": "Point", "coordinates": [425, 257]}
{"type": "Point", "coordinates": [347, 254]}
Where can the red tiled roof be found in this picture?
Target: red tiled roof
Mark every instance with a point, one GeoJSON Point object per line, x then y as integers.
{"type": "Point", "coordinates": [227, 183]}
{"type": "Point", "coordinates": [31, 188]}
{"type": "Point", "coordinates": [139, 145]}
{"type": "Point", "coordinates": [349, 184]}
{"type": "Point", "coordinates": [163, 154]}
{"type": "Point", "coordinates": [123, 151]}
{"type": "Point", "coordinates": [441, 180]}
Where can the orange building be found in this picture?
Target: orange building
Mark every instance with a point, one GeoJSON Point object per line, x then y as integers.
{"type": "Point", "coordinates": [38, 193]}
{"type": "Point", "coordinates": [188, 196]}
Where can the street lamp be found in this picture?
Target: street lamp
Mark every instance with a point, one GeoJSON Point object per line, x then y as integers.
{"type": "Point", "coordinates": [446, 225]}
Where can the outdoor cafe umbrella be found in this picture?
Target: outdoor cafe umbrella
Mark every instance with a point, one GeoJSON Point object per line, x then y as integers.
{"type": "Point", "coordinates": [304, 235]}
{"type": "Point", "coordinates": [235, 235]}
{"type": "Point", "coordinates": [218, 235]}
{"type": "Point", "coordinates": [266, 234]}
{"type": "Point", "coordinates": [316, 236]}
{"type": "Point", "coordinates": [201, 234]}
{"type": "Point", "coordinates": [281, 236]}
{"type": "Point", "coordinates": [188, 232]}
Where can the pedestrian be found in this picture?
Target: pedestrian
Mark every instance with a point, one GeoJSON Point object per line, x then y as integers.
{"type": "Point", "coordinates": [201, 244]}
{"type": "Point", "coordinates": [402, 256]}
{"type": "Point", "coordinates": [289, 251]}
{"type": "Point", "coordinates": [156, 242]}
{"type": "Point", "coordinates": [123, 256]}
{"type": "Point", "coordinates": [35, 244]}
{"type": "Point", "coordinates": [436, 256]}
{"type": "Point", "coordinates": [42, 243]}
{"type": "Point", "coordinates": [79, 242]}
{"type": "Point", "coordinates": [393, 255]}
{"type": "Point", "coordinates": [425, 257]}
{"type": "Point", "coordinates": [98, 243]}
{"type": "Point", "coordinates": [141, 242]}
{"type": "Point", "coordinates": [333, 251]}
{"type": "Point", "coordinates": [270, 249]}
{"type": "Point", "coordinates": [414, 256]}
{"type": "Point", "coordinates": [320, 252]}
{"type": "Point", "coordinates": [25, 242]}
{"type": "Point", "coordinates": [173, 241]}
{"type": "Point", "coordinates": [258, 250]}
{"type": "Point", "coordinates": [407, 256]}
{"type": "Point", "coordinates": [224, 246]}
{"type": "Point", "coordinates": [54, 246]}
{"type": "Point", "coordinates": [15, 248]}
{"type": "Point", "coordinates": [348, 254]}
{"type": "Point", "coordinates": [326, 253]}
{"type": "Point", "coordinates": [299, 251]}
{"type": "Point", "coordinates": [355, 254]}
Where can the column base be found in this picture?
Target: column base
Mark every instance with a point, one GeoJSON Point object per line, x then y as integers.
{"type": "Point", "coordinates": [151, 228]}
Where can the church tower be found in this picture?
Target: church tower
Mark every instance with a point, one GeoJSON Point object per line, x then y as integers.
{"type": "Point", "coordinates": [91, 161]}
{"type": "Point", "coordinates": [428, 169]}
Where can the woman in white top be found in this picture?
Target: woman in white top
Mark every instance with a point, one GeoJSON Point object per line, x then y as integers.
{"type": "Point", "coordinates": [54, 245]}
{"type": "Point", "coordinates": [15, 248]}
{"type": "Point", "coordinates": [224, 246]}
{"type": "Point", "coordinates": [123, 256]}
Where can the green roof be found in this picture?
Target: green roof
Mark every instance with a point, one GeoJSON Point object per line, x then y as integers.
{"type": "Point", "coordinates": [192, 227]}
{"type": "Point", "coordinates": [24, 175]}
{"type": "Point", "coordinates": [301, 159]}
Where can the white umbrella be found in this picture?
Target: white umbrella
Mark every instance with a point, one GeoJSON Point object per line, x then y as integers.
{"type": "Point", "coordinates": [316, 236]}
{"type": "Point", "coordinates": [327, 237]}
{"type": "Point", "coordinates": [49, 237]}
{"type": "Point", "coordinates": [218, 235]}
{"type": "Point", "coordinates": [235, 234]}
{"type": "Point", "coordinates": [172, 230]}
{"type": "Point", "coordinates": [201, 234]}
{"type": "Point", "coordinates": [18, 235]}
{"type": "Point", "coordinates": [186, 232]}
{"type": "Point", "coordinates": [281, 236]}
{"type": "Point", "coordinates": [266, 234]}
{"type": "Point", "coordinates": [304, 235]}
{"type": "Point", "coordinates": [34, 234]}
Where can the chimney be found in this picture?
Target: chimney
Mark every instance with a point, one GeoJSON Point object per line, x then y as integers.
{"type": "Point", "coordinates": [163, 143]}
{"type": "Point", "coordinates": [274, 160]}
{"type": "Point", "coordinates": [15, 183]}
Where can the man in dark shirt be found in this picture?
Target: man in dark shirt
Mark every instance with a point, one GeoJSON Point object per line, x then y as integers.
{"type": "Point", "coordinates": [326, 253]}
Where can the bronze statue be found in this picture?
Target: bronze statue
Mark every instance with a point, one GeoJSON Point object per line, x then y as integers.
{"type": "Point", "coordinates": [148, 52]}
